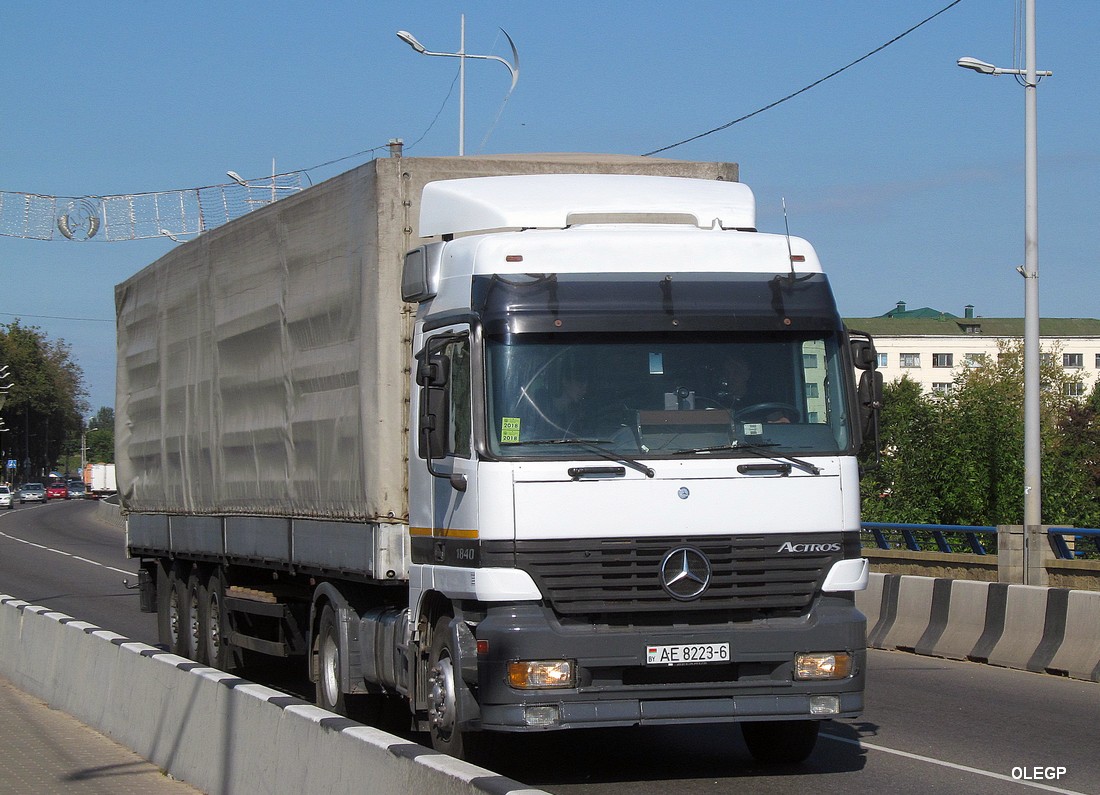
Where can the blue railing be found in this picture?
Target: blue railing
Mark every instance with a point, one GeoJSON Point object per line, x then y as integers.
{"type": "Point", "coordinates": [1082, 538]}
{"type": "Point", "coordinates": [1068, 543]}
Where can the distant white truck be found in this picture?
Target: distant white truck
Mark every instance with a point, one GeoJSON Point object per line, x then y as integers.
{"type": "Point", "coordinates": [100, 479]}
{"type": "Point", "coordinates": [349, 434]}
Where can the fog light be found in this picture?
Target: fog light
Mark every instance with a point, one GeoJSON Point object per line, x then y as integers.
{"type": "Point", "coordinates": [823, 665]}
{"type": "Point", "coordinates": [824, 705]}
{"type": "Point", "coordinates": [540, 674]}
{"type": "Point", "coordinates": [542, 715]}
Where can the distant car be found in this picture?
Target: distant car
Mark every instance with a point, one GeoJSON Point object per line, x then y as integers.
{"type": "Point", "coordinates": [57, 491]}
{"type": "Point", "coordinates": [7, 499]}
{"type": "Point", "coordinates": [77, 490]}
{"type": "Point", "coordinates": [32, 492]}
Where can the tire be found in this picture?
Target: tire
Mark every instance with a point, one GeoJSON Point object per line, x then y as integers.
{"type": "Point", "coordinates": [193, 645]}
{"type": "Point", "coordinates": [781, 742]}
{"type": "Point", "coordinates": [329, 694]}
{"type": "Point", "coordinates": [374, 709]}
{"type": "Point", "coordinates": [165, 587]}
{"type": "Point", "coordinates": [443, 718]}
{"type": "Point", "coordinates": [172, 609]}
{"type": "Point", "coordinates": [212, 621]}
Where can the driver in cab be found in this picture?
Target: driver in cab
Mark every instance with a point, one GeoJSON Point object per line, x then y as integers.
{"type": "Point", "coordinates": [734, 393]}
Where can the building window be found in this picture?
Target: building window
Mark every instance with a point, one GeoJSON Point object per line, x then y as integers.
{"type": "Point", "coordinates": [1073, 360]}
{"type": "Point", "coordinates": [1046, 359]}
{"type": "Point", "coordinates": [943, 360]}
{"type": "Point", "coordinates": [809, 361]}
{"type": "Point", "coordinates": [884, 359]}
{"type": "Point", "coordinates": [812, 391]}
{"type": "Point", "coordinates": [910, 359]}
{"type": "Point", "coordinates": [1098, 361]}
{"type": "Point", "coordinates": [941, 388]}
{"type": "Point", "coordinates": [974, 359]}
{"type": "Point", "coordinates": [1074, 389]}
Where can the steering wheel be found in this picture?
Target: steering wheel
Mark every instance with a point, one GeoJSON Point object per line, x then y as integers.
{"type": "Point", "coordinates": [761, 411]}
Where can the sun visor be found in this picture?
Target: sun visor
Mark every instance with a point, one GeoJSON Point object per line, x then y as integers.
{"type": "Point", "coordinates": [554, 201]}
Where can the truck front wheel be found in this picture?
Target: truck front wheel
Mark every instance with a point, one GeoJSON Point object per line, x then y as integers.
{"type": "Point", "coordinates": [780, 742]}
{"type": "Point", "coordinates": [443, 717]}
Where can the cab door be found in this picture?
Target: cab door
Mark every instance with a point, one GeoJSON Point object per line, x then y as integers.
{"type": "Point", "coordinates": [444, 527]}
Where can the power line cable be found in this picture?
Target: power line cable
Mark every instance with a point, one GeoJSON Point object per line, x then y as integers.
{"type": "Point", "coordinates": [814, 84]}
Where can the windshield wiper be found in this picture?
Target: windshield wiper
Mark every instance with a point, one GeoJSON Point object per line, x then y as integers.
{"type": "Point", "coordinates": [758, 449]}
{"type": "Point", "coordinates": [596, 446]}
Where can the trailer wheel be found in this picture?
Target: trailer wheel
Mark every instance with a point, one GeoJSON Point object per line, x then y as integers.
{"type": "Point", "coordinates": [194, 641]}
{"type": "Point", "coordinates": [172, 610]}
{"type": "Point", "coordinates": [330, 695]}
{"type": "Point", "coordinates": [780, 742]}
{"type": "Point", "coordinates": [443, 719]}
{"type": "Point", "coordinates": [212, 622]}
{"type": "Point", "coordinates": [165, 588]}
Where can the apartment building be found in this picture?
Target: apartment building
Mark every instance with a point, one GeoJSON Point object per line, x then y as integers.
{"type": "Point", "coordinates": [931, 346]}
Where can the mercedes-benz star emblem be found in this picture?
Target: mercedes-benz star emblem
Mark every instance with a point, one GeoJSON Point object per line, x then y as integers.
{"type": "Point", "coordinates": [685, 573]}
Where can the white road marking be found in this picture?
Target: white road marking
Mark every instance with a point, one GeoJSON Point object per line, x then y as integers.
{"type": "Point", "coordinates": [66, 554]}
{"type": "Point", "coordinates": [952, 765]}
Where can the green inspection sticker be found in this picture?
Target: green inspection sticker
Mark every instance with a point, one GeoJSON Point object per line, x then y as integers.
{"type": "Point", "coordinates": [509, 429]}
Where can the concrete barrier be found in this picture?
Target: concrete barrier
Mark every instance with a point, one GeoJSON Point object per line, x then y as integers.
{"type": "Point", "coordinates": [1079, 654]}
{"type": "Point", "coordinates": [869, 600]}
{"type": "Point", "coordinates": [885, 606]}
{"type": "Point", "coordinates": [216, 731]}
{"type": "Point", "coordinates": [958, 619]}
{"type": "Point", "coordinates": [910, 624]}
{"type": "Point", "coordinates": [1031, 628]}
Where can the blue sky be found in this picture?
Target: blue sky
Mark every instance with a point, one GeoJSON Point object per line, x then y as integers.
{"type": "Point", "coordinates": [905, 171]}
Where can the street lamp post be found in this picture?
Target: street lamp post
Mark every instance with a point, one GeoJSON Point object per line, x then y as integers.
{"type": "Point", "coordinates": [1030, 271]}
{"type": "Point", "coordinates": [462, 55]}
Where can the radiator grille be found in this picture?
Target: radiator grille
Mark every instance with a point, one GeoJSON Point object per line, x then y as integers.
{"type": "Point", "coordinates": [749, 574]}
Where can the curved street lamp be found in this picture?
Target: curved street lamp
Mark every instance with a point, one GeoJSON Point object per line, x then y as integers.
{"type": "Point", "coordinates": [462, 55]}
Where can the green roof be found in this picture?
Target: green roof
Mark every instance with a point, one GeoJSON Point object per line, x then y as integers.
{"type": "Point", "coordinates": [949, 325]}
{"type": "Point", "coordinates": [925, 312]}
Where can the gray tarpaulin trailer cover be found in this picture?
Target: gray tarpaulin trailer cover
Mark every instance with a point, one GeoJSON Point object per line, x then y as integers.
{"type": "Point", "coordinates": [263, 367]}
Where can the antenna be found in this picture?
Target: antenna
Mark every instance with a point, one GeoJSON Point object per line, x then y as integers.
{"type": "Point", "coordinates": [787, 227]}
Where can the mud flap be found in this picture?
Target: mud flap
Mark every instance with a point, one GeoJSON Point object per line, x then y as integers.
{"type": "Point", "coordinates": [465, 646]}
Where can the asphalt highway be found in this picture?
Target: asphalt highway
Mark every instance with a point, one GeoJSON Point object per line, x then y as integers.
{"type": "Point", "coordinates": [930, 725]}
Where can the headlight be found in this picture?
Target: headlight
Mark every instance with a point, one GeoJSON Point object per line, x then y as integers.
{"type": "Point", "coordinates": [541, 674]}
{"type": "Point", "coordinates": [823, 665]}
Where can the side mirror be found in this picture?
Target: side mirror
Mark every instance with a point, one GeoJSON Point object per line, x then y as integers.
{"type": "Point", "coordinates": [432, 370]}
{"type": "Point", "coordinates": [870, 399]}
{"type": "Point", "coordinates": [864, 356]}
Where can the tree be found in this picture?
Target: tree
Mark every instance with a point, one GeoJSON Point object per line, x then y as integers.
{"type": "Point", "coordinates": [957, 458]}
{"type": "Point", "coordinates": [901, 490]}
{"type": "Point", "coordinates": [46, 401]}
{"type": "Point", "coordinates": [101, 436]}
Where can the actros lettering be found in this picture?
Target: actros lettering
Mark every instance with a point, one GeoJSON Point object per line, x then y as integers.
{"type": "Point", "coordinates": [787, 546]}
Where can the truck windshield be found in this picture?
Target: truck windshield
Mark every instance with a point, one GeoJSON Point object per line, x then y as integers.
{"type": "Point", "coordinates": [660, 395]}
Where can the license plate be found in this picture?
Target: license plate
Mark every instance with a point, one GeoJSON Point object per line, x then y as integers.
{"type": "Point", "coordinates": [688, 654]}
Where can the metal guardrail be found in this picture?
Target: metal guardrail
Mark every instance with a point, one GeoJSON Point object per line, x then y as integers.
{"type": "Point", "coordinates": [1068, 543]}
{"type": "Point", "coordinates": [1082, 539]}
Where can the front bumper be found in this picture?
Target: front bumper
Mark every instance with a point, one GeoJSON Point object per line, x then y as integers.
{"type": "Point", "coordinates": [615, 687]}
